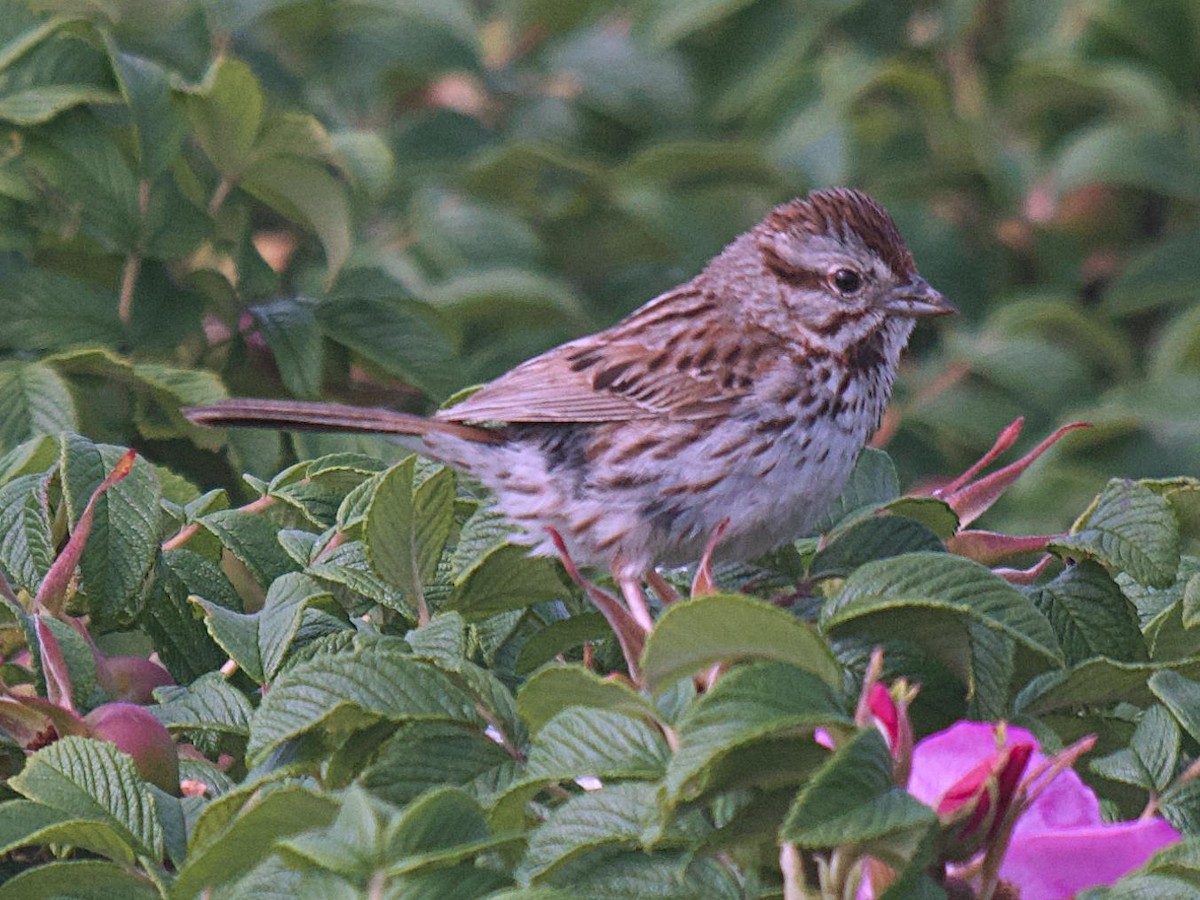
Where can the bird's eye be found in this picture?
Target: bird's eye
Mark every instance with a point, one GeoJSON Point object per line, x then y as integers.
{"type": "Point", "coordinates": [847, 281]}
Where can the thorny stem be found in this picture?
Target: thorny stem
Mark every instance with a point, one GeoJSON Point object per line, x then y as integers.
{"type": "Point", "coordinates": [133, 262]}
{"type": "Point", "coordinates": [792, 868]}
{"type": "Point", "coordinates": [188, 532]}
{"type": "Point", "coordinates": [219, 195]}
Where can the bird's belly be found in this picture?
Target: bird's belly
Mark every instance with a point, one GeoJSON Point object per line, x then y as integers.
{"type": "Point", "coordinates": [772, 494]}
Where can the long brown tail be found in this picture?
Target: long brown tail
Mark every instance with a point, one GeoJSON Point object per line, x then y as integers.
{"type": "Point", "coordinates": [299, 415]}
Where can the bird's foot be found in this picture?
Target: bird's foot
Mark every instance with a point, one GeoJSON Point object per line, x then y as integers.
{"type": "Point", "coordinates": [703, 582]}
{"type": "Point", "coordinates": [630, 632]}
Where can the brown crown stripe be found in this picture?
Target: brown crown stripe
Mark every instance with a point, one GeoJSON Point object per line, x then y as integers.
{"type": "Point", "coordinates": [840, 210]}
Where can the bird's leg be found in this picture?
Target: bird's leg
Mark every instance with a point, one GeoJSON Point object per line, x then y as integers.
{"type": "Point", "coordinates": [703, 582]}
{"type": "Point", "coordinates": [630, 635]}
{"type": "Point", "coordinates": [636, 598]}
{"type": "Point", "coordinates": [662, 587]}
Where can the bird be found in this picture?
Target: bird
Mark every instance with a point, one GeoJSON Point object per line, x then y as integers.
{"type": "Point", "coordinates": [728, 411]}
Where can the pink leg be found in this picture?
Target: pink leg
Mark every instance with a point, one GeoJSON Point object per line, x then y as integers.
{"type": "Point", "coordinates": [703, 582]}
{"type": "Point", "coordinates": [636, 599]}
{"type": "Point", "coordinates": [662, 587]}
{"type": "Point", "coordinates": [630, 633]}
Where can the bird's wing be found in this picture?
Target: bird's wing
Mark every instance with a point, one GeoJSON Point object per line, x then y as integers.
{"type": "Point", "coordinates": [676, 357]}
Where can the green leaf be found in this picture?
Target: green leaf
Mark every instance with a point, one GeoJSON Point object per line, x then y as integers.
{"type": "Point", "coordinates": [305, 192]}
{"type": "Point", "coordinates": [1131, 528]}
{"type": "Point", "coordinates": [26, 545]}
{"type": "Point", "coordinates": [1164, 274]}
{"type": "Point", "coordinates": [558, 637]}
{"type": "Point", "coordinates": [420, 756]}
{"type": "Point", "coordinates": [146, 87]}
{"type": "Point", "coordinates": [210, 703]}
{"type": "Point", "coordinates": [24, 823]}
{"type": "Point", "coordinates": [1181, 696]}
{"type": "Point", "coordinates": [693, 635]}
{"type": "Point", "coordinates": [635, 875]}
{"type": "Point", "coordinates": [407, 526]}
{"type": "Point", "coordinates": [506, 579]}
{"type": "Point", "coordinates": [1131, 155]}
{"type": "Point", "coordinates": [872, 484]}
{"type": "Point", "coordinates": [614, 816]}
{"type": "Point", "coordinates": [1097, 682]}
{"type": "Point", "coordinates": [290, 329]}
{"type": "Point", "coordinates": [753, 727]}
{"type": "Point", "coordinates": [34, 400]}
{"type": "Point", "coordinates": [123, 543]}
{"type": "Point", "coordinates": [929, 598]}
{"type": "Point", "coordinates": [603, 743]}
{"type": "Point", "coordinates": [869, 539]}
{"type": "Point", "coordinates": [227, 116]}
{"type": "Point", "coordinates": [1090, 615]}
{"type": "Point", "coordinates": [556, 688]}
{"type": "Point", "coordinates": [43, 310]}
{"type": "Point", "coordinates": [93, 780]}
{"type": "Point", "coordinates": [179, 635]}
{"type": "Point", "coordinates": [349, 690]}
{"type": "Point", "coordinates": [225, 846]}
{"type": "Point", "coordinates": [79, 880]}
{"type": "Point", "coordinates": [1150, 760]}
{"type": "Point", "coordinates": [403, 337]}
{"type": "Point", "coordinates": [253, 540]}
{"type": "Point", "coordinates": [853, 799]}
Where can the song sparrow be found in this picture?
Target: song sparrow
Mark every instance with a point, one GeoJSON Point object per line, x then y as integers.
{"type": "Point", "coordinates": [741, 398]}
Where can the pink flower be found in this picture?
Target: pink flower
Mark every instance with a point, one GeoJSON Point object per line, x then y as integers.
{"type": "Point", "coordinates": [1060, 844]}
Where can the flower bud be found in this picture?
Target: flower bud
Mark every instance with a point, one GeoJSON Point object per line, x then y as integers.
{"type": "Point", "coordinates": [131, 679]}
{"type": "Point", "coordinates": [973, 809]}
{"type": "Point", "coordinates": [137, 732]}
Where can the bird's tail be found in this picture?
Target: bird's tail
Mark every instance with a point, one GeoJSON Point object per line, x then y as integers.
{"type": "Point", "coordinates": [300, 415]}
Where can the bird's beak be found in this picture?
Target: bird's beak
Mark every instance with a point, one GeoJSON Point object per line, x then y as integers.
{"type": "Point", "coordinates": [916, 299]}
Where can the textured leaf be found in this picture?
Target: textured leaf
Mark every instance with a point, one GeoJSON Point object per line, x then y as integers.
{"type": "Point", "coordinates": [872, 484]}
{"type": "Point", "coordinates": [24, 823]}
{"type": "Point", "coordinates": [599, 742]}
{"type": "Point", "coordinates": [1181, 696]}
{"type": "Point", "coordinates": [123, 542]}
{"type": "Point", "coordinates": [614, 816]}
{"type": "Point", "coordinates": [506, 579]}
{"type": "Point", "coordinates": [80, 880]}
{"type": "Point", "coordinates": [1149, 761]}
{"type": "Point", "coordinates": [225, 847]}
{"type": "Point", "coordinates": [772, 705]}
{"type": "Point", "coordinates": [407, 526]}
{"type": "Point", "coordinates": [1090, 615]}
{"type": "Point", "coordinates": [34, 400]}
{"type": "Point", "coordinates": [556, 688]}
{"type": "Point", "coordinates": [854, 799]}
{"type": "Point", "coordinates": [424, 755]}
{"type": "Point", "coordinates": [692, 635]}
{"type": "Point", "coordinates": [26, 547]}
{"type": "Point", "coordinates": [874, 538]}
{"type": "Point", "coordinates": [348, 690]}
{"type": "Point", "coordinates": [210, 703]}
{"type": "Point", "coordinates": [881, 596]}
{"type": "Point", "coordinates": [1132, 529]}
{"type": "Point", "coordinates": [253, 540]}
{"type": "Point", "coordinates": [93, 780]}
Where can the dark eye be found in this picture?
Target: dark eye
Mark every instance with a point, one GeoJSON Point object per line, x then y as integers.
{"type": "Point", "coordinates": [847, 281]}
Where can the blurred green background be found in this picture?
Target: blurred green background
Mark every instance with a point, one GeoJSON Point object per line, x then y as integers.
{"type": "Point", "coordinates": [384, 201]}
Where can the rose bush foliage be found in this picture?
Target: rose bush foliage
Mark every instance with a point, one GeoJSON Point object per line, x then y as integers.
{"type": "Point", "coordinates": [368, 689]}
